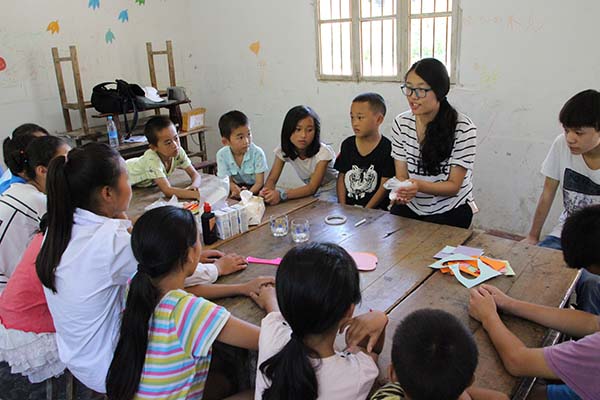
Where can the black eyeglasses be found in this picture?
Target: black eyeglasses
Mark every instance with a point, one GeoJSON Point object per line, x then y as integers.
{"type": "Point", "coordinates": [419, 92]}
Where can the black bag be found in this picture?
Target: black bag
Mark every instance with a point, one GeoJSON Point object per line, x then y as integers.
{"type": "Point", "coordinates": [119, 100]}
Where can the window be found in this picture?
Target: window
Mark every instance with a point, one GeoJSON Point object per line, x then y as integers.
{"type": "Point", "coordinates": [380, 39]}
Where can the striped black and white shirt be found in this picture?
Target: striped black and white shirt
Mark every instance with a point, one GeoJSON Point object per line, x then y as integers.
{"type": "Point", "coordinates": [21, 209]}
{"type": "Point", "coordinates": [405, 147]}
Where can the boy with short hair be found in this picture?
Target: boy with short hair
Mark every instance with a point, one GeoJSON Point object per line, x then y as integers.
{"type": "Point", "coordinates": [162, 159]}
{"type": "Point", "coordinates": [576, 363]}
{"type": "Point", "coordinates": [241, 160]}
{"type": "Point", "coordinates": [433, 357]}
{"type": "Point", "coordinates": [573, 162]}
{"type": "Point", "coordinates": [365, 162]}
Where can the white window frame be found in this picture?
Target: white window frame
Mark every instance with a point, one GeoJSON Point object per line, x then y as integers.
{"type": "Point", "coordinates": [402, 43]}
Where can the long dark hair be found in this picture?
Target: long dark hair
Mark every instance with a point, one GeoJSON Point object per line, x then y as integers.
{"type": "Point", "coordinates": [39, 152]}
{"type": "Point", "coordinates": [160, 241]}
{"type": "Point", "coordinates": [13, 148]}
{"type": "Point", "coordinates": [316, 284]}
{"type": "Point", "coordinates": [295, 115]}
{"type": "Point", "coordinates": [440, 133]}
{"type": "Point", "coordinates": [73, 182]}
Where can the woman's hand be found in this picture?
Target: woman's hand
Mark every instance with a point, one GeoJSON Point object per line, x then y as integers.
{"type": "Point", "coordinates": [271, 196]}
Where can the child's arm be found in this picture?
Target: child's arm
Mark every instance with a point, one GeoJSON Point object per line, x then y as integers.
{"type": "Point", "coordinates": [341, 188]}
{"type": "Point", "coordinates": [168, 190]}
{"type": "Point", "coordinates": [378, 196]}
{"type": "Point", "coordinates": [259, 181]}
{"type": "Point", "coordinates": [542, 209]}
{"type": "Point", "coordinates": [194, 176]}
{"type": "Point", "coordinates": [477, 393]}
{"type": "Point", "coordinates": [240, 334]}
{"type": "Point", "coordinates": [234, 189]}
{"type": "Point", "coordinates": [212, 292]}
{"type": "Point", "coordinates": [572, 322]}
{"type": "Point", "coordinates": [274, 174]}
{"type": "Point", "coordinates": [266, 298]}
{"type": "Point", "coordinates": [518, 359]}
{"type": "Point", "coordinates": [315, 182]}
{"type": "Point", "coordinates": [367, 331]}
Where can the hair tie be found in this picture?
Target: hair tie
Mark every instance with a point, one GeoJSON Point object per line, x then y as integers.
{"type": "Point", "coordinates": [143, 270]}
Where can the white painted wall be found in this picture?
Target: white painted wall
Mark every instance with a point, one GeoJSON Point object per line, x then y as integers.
{"type": "Point", "coordinates": [519, 62]}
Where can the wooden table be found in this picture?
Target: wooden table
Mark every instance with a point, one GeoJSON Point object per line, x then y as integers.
{"type": "Point", "coordinates": [403, 282]}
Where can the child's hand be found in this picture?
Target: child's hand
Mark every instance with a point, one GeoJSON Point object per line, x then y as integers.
{"type": "Point", "coordinates": [255, 284]}
{"type": "Point", "coordinates": [271, 196]}
{"type": "Point", "coordinates": [195, 192]}
{"type": "Point", "coordinates": [210, 256]}
{"type": "Point", "coordinates": [406, 194]}
{"type": "Point", "coordinates": [266, 298]}
{"type": "Point", "coordinates": [501, 299]}
{"type": "Point", "coordinates": [530, 240]}
{"type": "Point", "coordinates": [368, 326]}
{"type": "Point", "coordinates": [235, 191]}
{"type": "Point", "coordinates": [481, 304]}
{"type": "Point", "coordinates": [230, 263]}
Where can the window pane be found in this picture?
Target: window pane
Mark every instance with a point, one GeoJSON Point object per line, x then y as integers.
{"type": "Point", "coordinates": [346, 45]}
{"type": "Point", "coordinates": [325, 9]}
{"type": "Point", "coordinates": [415, 6]}
{"type": "Point", "coordinates": [365, 8]}
{"type": "Point", "coordinates": [390, 67]}
{"type": "Point", "coordinates": [377, 8]}
{"type": "Point", "coordinates": [335, 48]}
{"type": "Point", "coordinates": [366, 49]}
{"type": "Point", "coordinates": [449, 53]}
{"type": "Point", "coordinates": [427, 6]}
{"type": "Point", "coordinates": [439, 49]}
{"type": "Point", "coordinates": [388, 7]}
{"type": "Point", "coordinates": [335, 9]}
{"type": "Point", "coordinates": [441, 6]}
{"type": "Point", "coordinates": [427, 38]}
{"type": "Point", "coordinates": [415, 40]}
{"type": "Point", "coordinates": [345, 9]}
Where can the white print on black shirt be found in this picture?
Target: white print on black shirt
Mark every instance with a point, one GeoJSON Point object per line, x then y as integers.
{"type": "Point", "coordinates": [579, 191]}
{"type": "Point", "coordinates": [359, 182]}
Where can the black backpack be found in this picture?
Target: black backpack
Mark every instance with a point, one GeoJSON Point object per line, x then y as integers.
{"type": "Point", "coordinates": [119, 100]}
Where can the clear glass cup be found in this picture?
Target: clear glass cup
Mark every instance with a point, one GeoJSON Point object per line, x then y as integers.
{"type": "Point", "coordinates": [279, 225]}
{"type": "Point", "coordinates": [300, 230]}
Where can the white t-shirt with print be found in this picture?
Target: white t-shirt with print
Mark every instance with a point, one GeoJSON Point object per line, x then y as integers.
{"type": "Point", "coordinates": [21, 209]}
{"type": "Point", "coordinates": [580, 184]}
{"type": "Point", "coordinates": [90, 281]}
{"type": "Point", "coordinates": [343, 376]}
{"type": "Point", "coordinates": [305, 168]}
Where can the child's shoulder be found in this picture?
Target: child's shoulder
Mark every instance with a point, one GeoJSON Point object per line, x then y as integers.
{"type": "Point", "coordinates": [224, 152]}
{"type": "Point", "coordinates": [390, 391]}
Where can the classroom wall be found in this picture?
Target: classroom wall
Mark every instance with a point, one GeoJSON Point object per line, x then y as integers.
{"type": "Point", "coordinates": [519, 61]}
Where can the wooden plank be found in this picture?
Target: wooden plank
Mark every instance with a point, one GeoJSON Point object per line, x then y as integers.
{"type": "Point", "coordinates": [60, 81]}
{"type": "Point", "coordinates": [79, 89]}
{"type": "Point", "coordinates": [151, 64]}
{"type": "Point", "coordinates": [171, 63]}
{"type": "Point", "coordinates": [444, 292]}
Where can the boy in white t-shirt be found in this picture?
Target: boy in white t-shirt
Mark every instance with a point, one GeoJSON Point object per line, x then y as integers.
{"type": "Point", "coordinates": [573, 163]}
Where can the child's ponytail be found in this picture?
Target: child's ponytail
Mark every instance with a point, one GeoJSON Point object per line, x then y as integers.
{"type": "Point", "coordinates": [160, 240]}
{"type": "Point", "coordinates": [316, 285]}
{"type": "Point", "coordinates": [71, 183]}
{"type": "Point", "coordinates": [125, 370]}
{"type": "Point", "coordinates": [60, 222]}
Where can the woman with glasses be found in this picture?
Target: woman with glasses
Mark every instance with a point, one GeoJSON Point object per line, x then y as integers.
{"type": "Point", "coordinates": [433, 148]}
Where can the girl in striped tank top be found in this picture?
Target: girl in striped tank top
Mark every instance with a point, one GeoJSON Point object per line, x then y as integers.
{"type": "Point", "coordinates": [164, 348]}
{"type": "Point", "coordinates": [433, 147]}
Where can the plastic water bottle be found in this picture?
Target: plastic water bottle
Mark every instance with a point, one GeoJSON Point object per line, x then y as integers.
{"type": "Point", "coordinates": [113, 136]}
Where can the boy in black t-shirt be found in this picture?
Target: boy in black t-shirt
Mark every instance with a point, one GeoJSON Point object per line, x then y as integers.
{"type": "Point", "coordinates": [365, 162]}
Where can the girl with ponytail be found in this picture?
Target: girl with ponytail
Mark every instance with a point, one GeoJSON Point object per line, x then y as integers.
{"type": "Point", "coordinates": [23, 204]}
{"type": "Point", "coordinates": [86, 259]}
{"type": "Point", "coordinates": [164, 347]}
{"type": "Point", "coordinates": [12, 150]}
{"type": "Point", "coordinates": [434, 149]}
{"type": "Point", "coordinates": [317, 287]}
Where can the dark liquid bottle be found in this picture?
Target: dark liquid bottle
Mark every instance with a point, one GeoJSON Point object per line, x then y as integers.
{"type": "Point", "coordinates": [209, 228]}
